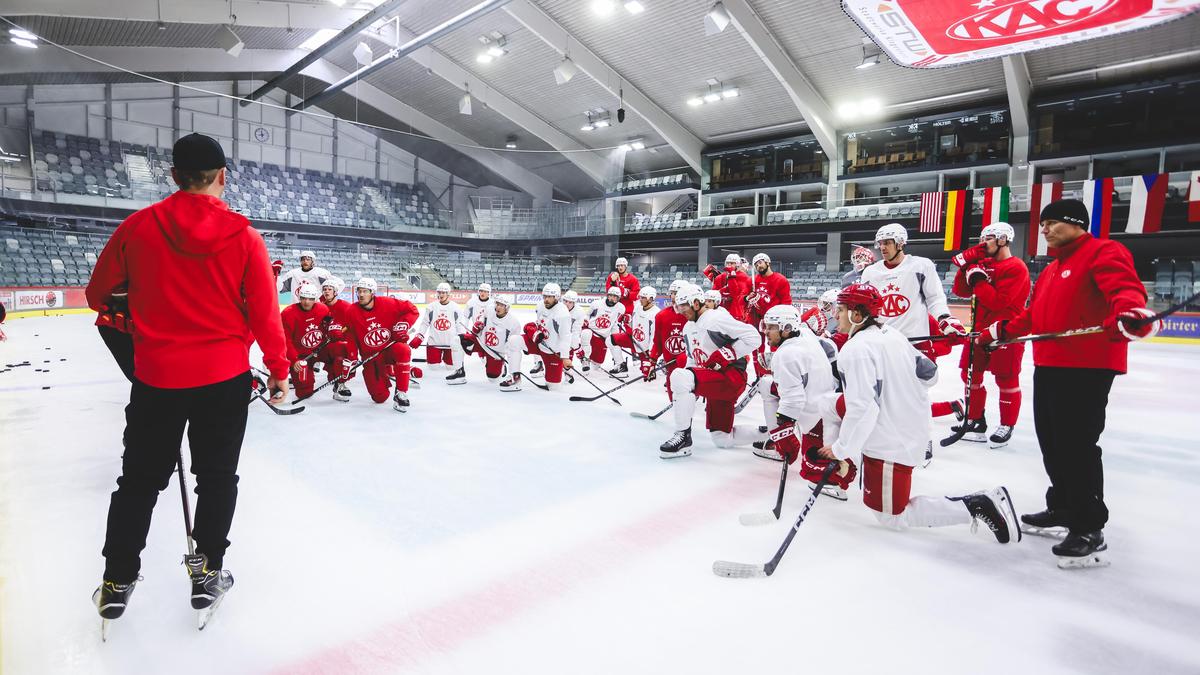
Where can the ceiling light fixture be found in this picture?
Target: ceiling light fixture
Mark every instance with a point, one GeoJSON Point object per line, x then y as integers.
{"type": "Point", "coordinates": [603, 122]}
{"type": "Point", "coordinates": [867, 107]}
{"type": "Point", "coordinates": [229, 41]}
{"type": "Point", "coordinates": [363, 54]}
{"type": "Point", "coordinates": [317, 39]}
{"type": "Point", "coordinates": [716, 91]}
{"type": "Point", "coordinates": [493, 47]}
{"type": "Point", "coordinates": [868, 60]}
{"type": "Point", "coordinates": [637, 144]}
{"type": "Point", "coordinates": [22, 42]}
{"type": "Point", "coordinates": [603, 7]}
{"type": "Point", "coordinates": [464, 104]}
{"type": "Point", "coordinates": [565, 70]}
{"type": "Point", "coordinates": [716, 20]}
{"type": "Point", "coordinates": [511, 142]}
{"type": "Point", "coordinates": [712, 97]}
{"type": "Point", "coordinates": [634, 7]}
{"type": "Point", "coordinates": [730, 92]}
{"type": "Point", "coordinates": [939, 99]}
{"type": "Point", "coordinates": [695, 101]}
{"type": "Point", "coordinates": [23, 34]}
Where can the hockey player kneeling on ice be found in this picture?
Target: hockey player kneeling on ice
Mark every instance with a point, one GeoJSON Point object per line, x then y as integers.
{"type": "Point", "coordinates": [602, 321]}
{"type": "Point", "coordinates": [550, 336]}
{"type": "Point", "coordinates": [499, 335]}
{"type": "Point", "coordinates": [639, 339]}
{"type": "Point", "coordinates": [440, 325]}
{"type": "Point", "coordinates": [338, 309]}
{"type": "Point", "coordinates": [313, 337]}
{"type": "Point", "coordinates": [887, 420]}
{"type": "Point", "coordinates": [668, 337]}
{"type": "Point", "coordinates": [715, 368]}
{"type": "Point", "coordinates": [578, 313]}
{"type": "Point", "coordinates": [381, 324]}
{"type": "Point", "coordinates": [799, 380]}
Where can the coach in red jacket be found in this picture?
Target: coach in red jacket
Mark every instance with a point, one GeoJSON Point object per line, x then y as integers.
{"type": "Point", "coordinates": [1090, 282]}
{"type": "Point", "coordinates": [199, 287]}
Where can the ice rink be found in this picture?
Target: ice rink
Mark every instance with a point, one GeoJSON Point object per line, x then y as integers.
{"type": "Point", "coordinates": [489, 532]}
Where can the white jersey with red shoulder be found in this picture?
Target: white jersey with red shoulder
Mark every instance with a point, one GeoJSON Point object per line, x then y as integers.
{"type": "Point", "coordinates": [912, 292]}
{"type": "Point", "coordinates": [499, 333]}
{"type": "Point", "coordinates": [800, 368]}
{"type": "Point", "coordinates": [716, 329]}
{"type": "Point", "coordinates": [477, 308]}
{"type": "Point", "coordinates": [642, 330]}
{"type": "Point", "coordinates": [578, 315]}
{"type": "Point", "coordinates": [603, 318]}
{"type": "Point", "coordinates": [441, 324]}
{"type": "Point", "coordinates": [555, 322]}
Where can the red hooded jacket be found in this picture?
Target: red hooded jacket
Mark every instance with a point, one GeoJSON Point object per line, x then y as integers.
{"type": "Point", "coordinates": [200, 285]}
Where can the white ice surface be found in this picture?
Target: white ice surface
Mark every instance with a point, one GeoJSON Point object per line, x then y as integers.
{"type": "Point", "coordinates": [504, 533]}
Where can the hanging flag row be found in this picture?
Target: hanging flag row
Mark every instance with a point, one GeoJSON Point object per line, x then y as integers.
{"type": "Point", "coordinates": [945, 212]}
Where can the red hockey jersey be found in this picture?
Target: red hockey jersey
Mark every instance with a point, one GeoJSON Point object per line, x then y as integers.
{"type": "Point", "coordinates": [374, 328]}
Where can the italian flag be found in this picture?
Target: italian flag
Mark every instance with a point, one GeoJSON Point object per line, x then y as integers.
{"type": "Point", "coordinates": [995, 205]}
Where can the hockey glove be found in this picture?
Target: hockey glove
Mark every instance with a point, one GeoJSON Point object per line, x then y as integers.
{"type": "Point", "coordinates": [813, 468]}
{"type": "Point", "coordinates": [720, 359]}
{"type": "Point", "coordinates": [1131, 325]}
{"type": "Point", "coordinates": [115, 317]}
{"type": "Point", "coordinates": [787, 443]}
{"type": "Point", "coordinates": [614, 277]}
{"type": "Point", "coordinates": [478, 327]}
{"type": "Point", "coordinates": [950, 325]}
{"type": "Point", "coordinates": [276, 268]}
{"type": "Point", "coordinates": [977, 273]}
{"type": "Point", "coordinates": [974, 254]}
{"type": "Point", "coordinates": [991, 334]}
{"type": "Point", "coordinates": [710, 271]}
{"type": "Point", "coordinates": [648, 370]}
{"type": "Point", "coordinates": [416, 342]}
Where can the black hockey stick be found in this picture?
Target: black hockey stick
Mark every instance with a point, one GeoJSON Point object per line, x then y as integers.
{"type": "Point", "coordinates": [947, 336]}
{"type": "Point", "coordinates": [1139, 323]}
{"type": "Point", "coordinates": [619, 386]}
{"type": "Point", "coordinates": [346, 375]}
{"type": "Point", "coordinates": [602, 392]}
{"type": "Point", "coordinates": [655, 416]}
{"type": "Point", "coordinates": [772, 515]}
{"type": "Point", "coordinates": [738, 570]}
{"type": "Point", "coordinates": [751, 391]}
{"type": "Point", "coordinates": [259, 393]}
{"type": "Point", "coordinates": [966, 419]}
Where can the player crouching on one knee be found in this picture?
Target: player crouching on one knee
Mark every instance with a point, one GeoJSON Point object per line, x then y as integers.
{"type": "Point", "coordinates": [381, 324]}
{"type": "Point", "coordinates": [714, 367]}
{"type": "Point", "coordinates": [886, 420]}
{"type": "Point", "coordinates": [313, 336]}
{"type": "Point", "coordinates": [550, 336]}
{"type": "Point", "coordinates": [442, 324]}
{"type": "Point", "coordinates": [498, 335]}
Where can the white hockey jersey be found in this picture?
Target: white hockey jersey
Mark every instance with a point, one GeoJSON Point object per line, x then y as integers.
{"type": "Point", "coordinates": [716, 329]}
{"type": "Point", "coordinates": [885, 382]}
{"type": "Point", "coordinates": [602, 319]}
{"type": "Point", "coordinates": [440, 325]}
{"type": "Point", "coordinates": [501, 337]}
{"type": "Point", "coordinates": [478, 309]}
{"type": "Point", "coordinates": [578, 316]}
{"type": "Point", "coordinates": [643, 328]}
{"type": "Point", "coordinates": [556, 322]}
{"type": "Point", "coordinates": [800, 368]}
{"type": "Point", "coordinates": [291, 280]}
{"type": "Point", "coordinates": [911, 293]}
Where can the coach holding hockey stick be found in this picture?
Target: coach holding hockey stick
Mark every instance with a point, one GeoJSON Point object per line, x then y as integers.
{"type": "Point", "coordinates": [199, 288]}
{"type": "Point", "coordinates": [1091, 281]}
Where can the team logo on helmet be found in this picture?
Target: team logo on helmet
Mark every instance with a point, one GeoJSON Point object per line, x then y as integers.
{"type": "Point", "coordinates": [442, 324]}
{"type": "Point", "coordinates": [377, 337]}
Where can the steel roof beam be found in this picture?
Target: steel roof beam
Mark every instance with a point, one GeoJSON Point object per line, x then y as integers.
{"type": "Point", "coordinates": [248, 12]}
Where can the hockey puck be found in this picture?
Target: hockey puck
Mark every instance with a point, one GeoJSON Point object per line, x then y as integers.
{"type": "Point", "coordinates": [45, 387]}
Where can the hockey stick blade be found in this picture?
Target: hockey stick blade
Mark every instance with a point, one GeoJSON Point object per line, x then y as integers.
{"type": "Point", "coordinates": [530, 380]}
{"type": "Point", "coordinates": [644, 416]}
{"type": "Point", "coordinates": [737, 570]}
{"type": "Point", "coordinates": [756, 519]}
{"type": "Point", "coordinates": [954, 437]}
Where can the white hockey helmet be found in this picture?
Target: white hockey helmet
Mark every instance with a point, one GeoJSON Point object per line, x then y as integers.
{"type": "Point", "coordinates": [504, 299]}
{"type": "Point", "coordinates": [621, 261]}
{"type": "Point", "coordinates": [733, 260]}
{"type": "Point", "coordinates": [676, 285]}
{"type": "Point", "coordinates": [570, 296]}
{"type": "Point", "coordinates": [828, 300]}
{"type": "Point", "coordinates": [689, 294]}
{"type": "Point", "coordinates": [552, 289]}
{"type": "Point", "coordinates": [998, 229]}
{"type": "Point", "coordinates": [614, 290]}
{"type": "Point", "coordinates": [893, 231]}
{"type": "Point", "coordinates": [308, 291]}
{"type": "Point", "coordinates": [443, 287]}
{"type": "Point", "coordinates": [367, 283]}
{"type": "Point", "coordinates": [715, 296]}
{"type": "Point", "coordinates": [308, 254]}
{"type": "Point", "coordinates": [335, 283]}
{"type": "Point", "coordinates": [786, 317]}
{"type": "Point", "coordinates": [763, 257]}
{"type": "Point", "coordinates": [648, 292]}
{"type": "Point", "coordinates": [485, 287]}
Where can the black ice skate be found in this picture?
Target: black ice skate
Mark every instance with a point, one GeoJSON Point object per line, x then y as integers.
{"type": "Point", "coordinates": [766, 450]}
{"type": "Point", "coordinates": [621, 371]}
{"type": "Point", "coordinates": [1001, 437]}
{"type": "Point", "coordinates": [400, 402]}
{"type": "Point", "coordinates": [110, 600]}
{"type": "Point", "coordinates": [678, 445]}
{"type": "Point", "coordinates": [511, 384]}
{"type": "Point", "coordinates": [538, 368]}
{"type": "Point", "coordinates": [976, 430]}
{"type": "Point", "coordinates": [208, 587]}
{"type": "Point", "coordinates": [1079, 551]}
{"type": "Point", "coordinates": [994, 508]}
{"type": "Point", "coordinates": [341, 392]}
{"type": "Point", "coordinates": [457, 377]}
{"type": "Point", "coordinates": [1044, 524]}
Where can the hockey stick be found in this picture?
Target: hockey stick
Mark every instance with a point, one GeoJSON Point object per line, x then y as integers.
{"type": "Point", "coordinates": [602, 392]}
{"type": "Point", "coordinates": [1139, 323]}
{"type": "Point", "coordinates": [966, 420]}
{"type": "Point", "coordinates": [772, 515]}
{"type": "Point", "coordinates": [259, 393]}
{"type": "Point", "coordinates": [655, 416]}
{"type": "Point", "coordinates": [346, 375]}
{"type": "Point", "coordinates": [948, 336]}
{"type": "Point", "coordinates": [619, 386]}
{"type": "Point", "coordinates": [751, 392]}
{"type": "Point", "coordinates": [738, 570]}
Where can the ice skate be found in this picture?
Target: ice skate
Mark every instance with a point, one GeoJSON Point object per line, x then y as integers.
{"type": "Point", "coordinates": [678, 445]}
{"type": "Point", "coordinates": [110, 600]}
{"type": "Point", "coordinates": [457, 377]}
{"type": "Point", "coordinates": [928, 455]}
{"type": "Point", "coordinates": [538, 369]}
{"type": "Point", "coordinates": [620, 372]}
{"type": "Point", "coordinates": [994, 508]}
{"type": "Point", "coordinates": [511, 384]}
{"type": "Point", "coordinates": [1080, 551]}
{"type": "Point", "coordinates": [341, 392]}
{"type": "Point", "coordinates": [976, 430]}
{"type": "Point", "coordinates": [400, 402]}
{"type": "Point", "coordinates": [208, 587]}
{"type": "Point", "coordinates": [766, 450]}
{"type": "Point", "coordinates": [1001, 437]}
{"type": "Point", "coordinates": [1044, 524]}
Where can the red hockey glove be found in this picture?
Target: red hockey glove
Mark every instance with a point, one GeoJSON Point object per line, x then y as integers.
{"type": "Point", "coordinates": [276, 267]}
{"type": "Point", "coordinates": [787, 443]}
{"type": "Point", "coordinates": [478, 327]}
{"type": "Point", "coordinates": [710, 271]}
{"type": "Point", "coordinates": [991, 334]}
{"type": "Point", "coordinates": [416, 342]}
{"type": "Point", "coordinates": [115, 317]}
{"type": "Point", "coordinates": [336, 332]}
{"type": "Point", "coordinates": [648, 371]}
{"type": "Point", "coordinates": [1131, 325]}
{"type": "Point", "coordinates": [974, 254]}
{"type": "Point", "coordinates": [976, 273]}
{"type": "Point", "coordinates": [813, 468]}
{"type": "Point", "coordinates": [720, 358]}
{"type": "Point", "coordinates": [950, 325]}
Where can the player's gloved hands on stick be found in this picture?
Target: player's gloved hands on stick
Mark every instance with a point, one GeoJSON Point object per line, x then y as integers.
{"type": "Point", "coordinates": [991, 334]}
{"type": "Point", "coordinates": [974, 254]}
{"type": "Point", "coordinates": [950, 325]}
{"type": "Point", "coordinates": [710, 271]}
{"type": "Point", "coordinates": [814, 465]}
{"type": "Point", "coordinates": [977, 273]}
{"type": "Point", "coordinates": [647, 367]}
{"type": "Point", "coordinates": [787, 443]}
{"type": "Point", "coordinates": [415, 342]}
{"type": "Point", "coordinates": [721, 358]}
{"type": "Point", "coordinates": [1131, 324]}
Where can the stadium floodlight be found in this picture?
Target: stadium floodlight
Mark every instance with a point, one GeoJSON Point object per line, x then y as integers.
{"type": "Point", "coordinates": [716, 20]}
{"type": "Point", "coordinates": [511, 142]}
{"type": "Point", "coordinates": [363, 54]}
{"type": "Point", "coordinates": [637, 144]}
{"type": "Point", "coordinates": [603, 7]}
{"type": "Point", "coordinates": [730, 92]}
{"type": "Point", "coordinates": [603, 122]}
{"type": "Point", "coordinates": [229, 41]}
{"type": "Point", "coordinates": [634, 7]}
{"type": "Point", "coordinates": [565, 70]}
{"type": "Point", "coordinates": [712, 96]}
{"type": "Point", "coordinates": [23, 34]}
{"type": "Point", "coordinates": [484, 58]}
{"type": "Point", "coordinates": [695, 101]}
{"type": "Point", "coordinates": [22, 42]}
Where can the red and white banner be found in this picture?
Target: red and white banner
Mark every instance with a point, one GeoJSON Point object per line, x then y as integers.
{"type": "Point", "coordinates": [1194, 198]}
{"type": "Point", "coordinates": [1146, 203]}
{"type": "Point", "coordinates": [42, 298]}
{"type": "Point", "coordinates": [939, 33]}
{"type": "Point", "coordinates": [931, 212]}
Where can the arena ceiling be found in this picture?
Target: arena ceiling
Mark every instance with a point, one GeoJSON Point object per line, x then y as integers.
{"type": "Point", "coordinates": [792, 62]}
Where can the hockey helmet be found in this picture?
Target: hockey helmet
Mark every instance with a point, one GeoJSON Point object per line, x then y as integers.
{"type": "Point", "coordinates": [786, 317]}
{"type": "Point", "coordinates": [307, 291]}
{"type": "Point", "coordinates": [443, 287]}
{"type": "Point", "coordinates": [827, 300]}
{"type": "Point", "coordinates": [648, 292]}
{"type": "Point", "coordinates": [998, 229]}
{"type": "Point", "coordinates": [308, 254]}
{"type": "Point", "coordinates": [485, 287]}
{"type": "Point", "coordinates": [763, 257]}
{"type": "Point", "coordinates": [552, 289]}
{"type": "Point", "coordinates": [894, 231]}
{"type": "Point", "coordinates": [861, 257]}
{"type": "Point", "coordinates": [861, 296]}
{"type": "Point", "coordinates": [367, 283]}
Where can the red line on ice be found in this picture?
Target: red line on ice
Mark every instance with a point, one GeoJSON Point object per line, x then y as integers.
{"type": "Point", "coordinates": [438, 630]}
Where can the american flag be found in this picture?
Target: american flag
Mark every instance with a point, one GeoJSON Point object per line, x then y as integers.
{"type": "Point", "coordinates": [931, 212]}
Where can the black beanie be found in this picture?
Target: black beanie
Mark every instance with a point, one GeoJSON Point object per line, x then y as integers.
{"type": "Point", "coordinates": [1068, 211]}
{"type": "Point", "coordinates": [197, 152]}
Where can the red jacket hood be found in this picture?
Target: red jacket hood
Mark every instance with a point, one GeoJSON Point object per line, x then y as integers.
{"type": "Point", "coordinates": [196, 224]}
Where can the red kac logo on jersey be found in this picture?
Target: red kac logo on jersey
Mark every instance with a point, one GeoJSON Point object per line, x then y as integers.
{"type": "Point", "coordinates": [675, 344]}
{"type": "Point", "coordinates": [311, 338]}
{"type": "Point", "coordinates": [699, 356]}
{"type": "Point", "coordinates": [491, 339]}
{"type": "Point", "coordinates": [377, 337]}
{"type": "Point", "coordinates": [442, 324]}
{"type": "Point", "coordinates": [602, 321]}
{"type": "Point", "coordinates": [894, 304]}
{"type": "Point", "coordinates": [639, 334]}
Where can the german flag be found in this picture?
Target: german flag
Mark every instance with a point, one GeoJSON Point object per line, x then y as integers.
{"type": "Point", "coordinates": [956, 206]}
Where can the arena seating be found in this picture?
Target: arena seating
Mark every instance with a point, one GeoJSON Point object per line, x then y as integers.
{"type": "Point", "coordinates": [31, 257]}
{"type": "Point", "coordinates": [658, 182]}
{"type": "Point", "coordinates": [503, 273]}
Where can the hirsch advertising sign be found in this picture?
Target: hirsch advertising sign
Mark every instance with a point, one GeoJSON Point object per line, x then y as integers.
{"type": "Point", "coordinates": [938, 33]}
{"type": "Point", "coordinates": [39, 299]}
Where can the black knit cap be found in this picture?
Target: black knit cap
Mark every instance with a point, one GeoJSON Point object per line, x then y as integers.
{"type": "Point", "coordinates": [197, 152]}
{"type": "Point", "coordinates": [1068, 211]}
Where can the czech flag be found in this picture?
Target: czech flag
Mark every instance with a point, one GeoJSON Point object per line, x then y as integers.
{"type": "Point", "coordinates": [1097, 197]}
{"type": "Point", "coordinates": [1146, 203]}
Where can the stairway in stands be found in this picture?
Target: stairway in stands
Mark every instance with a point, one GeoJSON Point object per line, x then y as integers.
{"type": "Point", "coordinates": [381, 204]}
{"type": "Point", "coordinates": [141, 180]}
{"type": "Point", "coordinates": [580, 285]}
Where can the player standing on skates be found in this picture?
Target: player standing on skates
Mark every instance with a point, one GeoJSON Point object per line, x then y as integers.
{"type": "Point", "coordinates": [1091, 281]}
{"type": "Point", "coordinates": [200, 285]}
